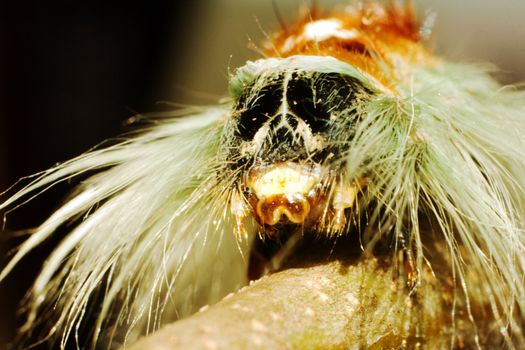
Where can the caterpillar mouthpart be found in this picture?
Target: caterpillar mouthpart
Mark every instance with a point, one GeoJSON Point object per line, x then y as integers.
{"type": "Point", "coordinates": [283, 192]}
{"type": "Point", "coordinates": [297, 194]}
{"type": "Point", "coordinates": [294, 206]}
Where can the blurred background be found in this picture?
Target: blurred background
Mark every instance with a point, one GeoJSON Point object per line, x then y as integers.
{"type": "Point", "coordinates": [72, 73]}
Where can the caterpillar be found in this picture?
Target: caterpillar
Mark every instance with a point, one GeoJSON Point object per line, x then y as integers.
{"type": "Point", "coordinates": [348, 126]}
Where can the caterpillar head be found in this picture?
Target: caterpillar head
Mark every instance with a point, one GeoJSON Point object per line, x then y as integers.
{"type": "Point", "coordinates": [284, 144]}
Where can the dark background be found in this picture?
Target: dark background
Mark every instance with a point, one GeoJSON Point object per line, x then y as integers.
{"type": "Point", "coordinates": [72, 73]}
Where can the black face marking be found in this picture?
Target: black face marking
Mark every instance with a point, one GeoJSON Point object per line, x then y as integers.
{"type": "Point", "coordinates": [257, 109]}
{"type": "Point", "coordinates": [295, 116]}
{"type": "Point", "coordinates": [315, 99]}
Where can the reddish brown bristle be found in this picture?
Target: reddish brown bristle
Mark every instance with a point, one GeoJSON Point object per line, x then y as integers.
{"type": "Point", "coordinates": [365, 36]}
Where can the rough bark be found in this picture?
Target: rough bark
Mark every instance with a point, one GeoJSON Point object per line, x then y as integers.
{"type": "Point", "coordinates": [331, 305]}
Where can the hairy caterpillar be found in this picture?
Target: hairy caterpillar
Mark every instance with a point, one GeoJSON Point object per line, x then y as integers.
{"type": "Point", "coordinates": [338, 121]}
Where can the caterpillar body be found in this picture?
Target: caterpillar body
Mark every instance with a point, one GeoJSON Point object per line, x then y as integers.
{"type": "Point", "coordinates": [347, 126]}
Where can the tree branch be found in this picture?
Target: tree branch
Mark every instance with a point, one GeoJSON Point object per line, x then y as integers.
{"type": "Point", "coordinates": [333, 305]}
